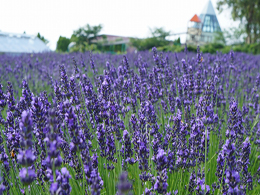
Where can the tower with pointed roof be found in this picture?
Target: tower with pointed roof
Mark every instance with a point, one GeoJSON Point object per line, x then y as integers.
{"type": "Point", "coordinates": [202, 30]}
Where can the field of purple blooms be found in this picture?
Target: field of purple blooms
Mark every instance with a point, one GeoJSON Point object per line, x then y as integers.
{"type": "Point", "coordinates": [142, 123]}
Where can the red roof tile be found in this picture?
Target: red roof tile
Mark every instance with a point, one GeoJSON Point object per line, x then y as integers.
{"type": "Point", "coordinates": [195, 18]}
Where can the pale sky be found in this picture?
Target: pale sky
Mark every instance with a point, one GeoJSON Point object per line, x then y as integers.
{"type": "Point", "coordinates": [54, 18]}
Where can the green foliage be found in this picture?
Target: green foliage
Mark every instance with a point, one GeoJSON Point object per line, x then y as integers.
{"type": "Point", "coordinates": [157, 40]}
{"type": "Point", "coordinates": [62, 44]}
{"type": "Point", "coordinates": [177, 48]}
{"type": "Point", "coordinates": [214, 47]}
{"type": "Point", "coordinates": [148, 43]}
{"type": "Point", "coordinates": [226, 49]}
{"type": "Point", "coordinates": [42, 38]}
{"type": "Point", "coordinates": [248, 12]}
{"type": "Point", "coordinates": [160, 33]}
{"type": "Point", "coordinates": [235, 35]}
{"type": "Point", "coordinates": [191, 48]}
{"type": "Point", "coordinates": [177, 41]}
{"type": "Point", "coordinates": [84, 47]}
{"type": "Point", "coordinates": [248, 48]}
{"type": "Point", "coordinates": [86, 34]}
{"type": "Point", "coordinates": [172, 48]}
{"type": "Point", "coordinates": [219, 38]}
{"type": "Point", "coordinates": [84, 37]}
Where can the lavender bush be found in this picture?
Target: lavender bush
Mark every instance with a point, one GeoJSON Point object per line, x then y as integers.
{"type": "Point", "coordinates": [142, 123]}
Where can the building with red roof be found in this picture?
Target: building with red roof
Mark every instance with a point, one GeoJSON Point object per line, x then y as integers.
{"type": "Point", "coordinates": [201, 30]}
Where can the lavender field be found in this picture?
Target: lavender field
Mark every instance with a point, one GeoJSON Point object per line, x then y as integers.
{"type": "Point", "coordinates": [142, 123]}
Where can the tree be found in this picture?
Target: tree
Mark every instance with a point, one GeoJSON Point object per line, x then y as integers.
{"type": "Point", "coordinates": [219, 38]}
{"type": "Point", "coordinates": [234, 35]}
{"type": "Point", "coordinates": [177, 41]}
{"type": "Point", "coordinates": [86, 34]}
{"type": "Point", "coordinates": [62, 44]}
{"type": "Point", "coordinates": [42, 38]}
{"type": "Point", "coordinates": [160, 33]}
{"type": "Point", "coordinates": [248, 12]}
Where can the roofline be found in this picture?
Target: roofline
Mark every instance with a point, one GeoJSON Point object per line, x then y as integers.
{"type": "Point", "coordinates": [206, 8]}
{"type": "Point", "coordinates": [18, 34]}
{"type": "Point", "coordinates": [32, 52]}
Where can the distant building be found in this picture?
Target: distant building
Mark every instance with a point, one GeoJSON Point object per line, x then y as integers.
{"type": "Point", "coordinates": [194, 31]}
{"type": "Point", "coordinates": [113, 43]}
{"type": "Point", "coordinates": [202, 29]}
{"type": "Point", "coordinates": [11, 43]}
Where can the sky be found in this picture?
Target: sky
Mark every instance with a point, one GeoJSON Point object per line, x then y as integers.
{"type": "Point", "coordinates": [54, 18]}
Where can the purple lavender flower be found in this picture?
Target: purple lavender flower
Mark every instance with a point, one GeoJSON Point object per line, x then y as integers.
{"type": "Point", "coordinates": [77, 142]}
{"type": "Point", "coordinates": [243, 164]}
{"type": "Point", "coordinates": [54, 187]}
{"type": "Point", "coordinates": [2, 187]}
{"type": "Point", "coordinates": [63, 180]}
{"type": "Point", "coordinates": [161, 182]}
{"type": "Point", "coordinates": [96, 182]}
{"type": "Point", "coordinates": [92, 63]}
{"type": "Point", "coordinates": [232, 178]}
{"type": "Point", "coordinates": [27, 94]}
{"type": "Point", "coordinates": [26, 157]}
{"type": "Point", "coordinates": [198, 55]}
{"type": "Point", "coordinates": [124, 186]}
{"type": "Point", "coordinates": [161, 162]}
{"type": "Point", "coordinates": [201, 187]}
{"type": "Point", "coordinates": [27, 176]}
{"type": "Point", "coordinates": [2, 98]}
{"type": "Point", "coordinates": [155, 56]}
{"type": "Point", "coordinates": [126, 150]}
{"type": "Point", "coordinates": [64, 83]}
{"type": "Point", "coordinates": [10, 97]}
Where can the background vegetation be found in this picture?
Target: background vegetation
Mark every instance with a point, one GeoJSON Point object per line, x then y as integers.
{"type": "Point", "coordinates": [245, 38]}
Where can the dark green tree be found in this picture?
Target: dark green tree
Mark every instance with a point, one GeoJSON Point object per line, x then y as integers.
{"type": "Point", "coordinates": [62, 44]}
{"type": "Point", "coordinates": [248, 12]}
{"type": "Point", "coordinates": [42, 38]}
{"type": "Point", "coordinates": [177, 41]}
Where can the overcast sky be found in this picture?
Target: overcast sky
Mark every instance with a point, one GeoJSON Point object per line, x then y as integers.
{"type": "Point", "coordinates": [53, 18]}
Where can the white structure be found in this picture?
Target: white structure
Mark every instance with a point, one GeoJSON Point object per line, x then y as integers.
{"type": "Point", "coordinates": [11, 43]}
{"type": "Point", "coordinates": [204, 31]}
